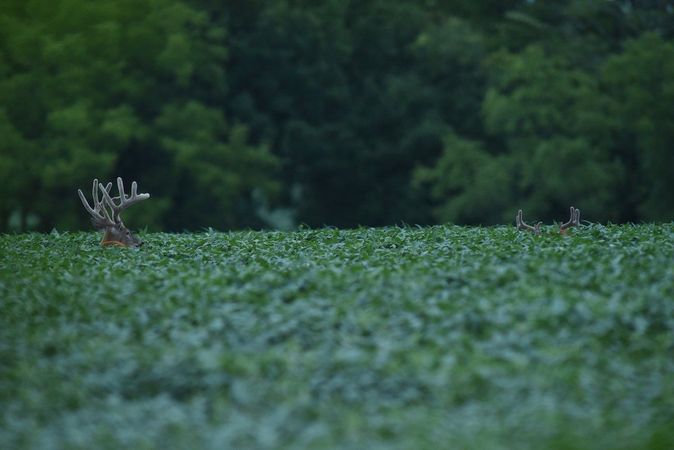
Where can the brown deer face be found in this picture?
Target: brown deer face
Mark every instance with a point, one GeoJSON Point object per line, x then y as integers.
{"type": "Point", "coordinates": [105, 215]}
{"type": "Point", "coordinates": [120, 236]}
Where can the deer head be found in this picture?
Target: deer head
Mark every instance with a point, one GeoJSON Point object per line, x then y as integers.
{"type": "Point", "coordinates": [574, 221]}
{"type": "Point", "coordinates": [105, 215]}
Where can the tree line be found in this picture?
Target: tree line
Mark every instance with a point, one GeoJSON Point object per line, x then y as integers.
{"type": "Point", "coordinates": [262, 113]}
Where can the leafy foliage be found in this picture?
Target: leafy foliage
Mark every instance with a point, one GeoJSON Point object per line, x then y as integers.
{"type": "Point", "coordinates": [277, 113]}
{"type": "Point", "coordinates": [641, 84]}
{"type": "Point", "coordinates": [384, 338]}
{"type": "Point", "coordinates": [89, 90]}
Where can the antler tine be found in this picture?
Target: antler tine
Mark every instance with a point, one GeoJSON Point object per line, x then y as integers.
{"type": "Point", "coordinates": [523, 226]}
{"type": "Point", "coordinates": [98, 204]}
{"type": "Point", "coordinates": [95, 212]}
{"type": "Point", "coordinates": [135, 197]}
{"type": "Point", "coordinates": [113, 207]}
{"type": "Point", "coordinates": [124, 201]}
{"type": "Point", "coordinates": [574, 220]}
{"type": "Point", "coordinates": [120, 189]}
{"type": "Point", "coordinates": [101, 204]}
{"type": "Point", "coordinates": [89, 209]}
{"type": "Point", "coordinates": [94, 193]}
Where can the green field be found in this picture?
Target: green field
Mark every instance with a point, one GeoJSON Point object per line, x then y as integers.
{"type": "Point", "coordinates": [404, 338]}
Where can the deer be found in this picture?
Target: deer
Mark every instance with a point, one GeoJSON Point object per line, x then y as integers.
{"type": "Point", "coordinates": [574, 221]}
{"type": "Point", "coordinates": [105, 215]}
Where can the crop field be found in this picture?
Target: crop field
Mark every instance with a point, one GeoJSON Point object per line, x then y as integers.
{"type": "Point", "coordinates": [395, 338]}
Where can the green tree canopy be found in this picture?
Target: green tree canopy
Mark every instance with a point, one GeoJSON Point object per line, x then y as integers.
{"type": "Point", "coordinates": [346, 113]}
{"type": "Point", "coordinates": [100, 89]}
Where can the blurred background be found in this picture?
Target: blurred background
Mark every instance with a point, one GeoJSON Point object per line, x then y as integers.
{"type": "Point", "coordinates": [278, 113]}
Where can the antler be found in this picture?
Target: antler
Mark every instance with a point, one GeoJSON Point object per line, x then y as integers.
{"type": "Point", "coordinates": [523, 226]}
{"type": "Point", "coordinates": [574, 220]}
{"type": "Point", "coordinates": [99, 214]}
{"type": "Point", "coordinates": [124, 201]}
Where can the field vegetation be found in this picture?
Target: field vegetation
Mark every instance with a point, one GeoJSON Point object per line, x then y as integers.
{"type": "Point", "coordinates": [409, 338]}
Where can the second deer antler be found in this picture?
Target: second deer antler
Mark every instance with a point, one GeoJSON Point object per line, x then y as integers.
{"type": "Point", "coordinates": [523, 226]}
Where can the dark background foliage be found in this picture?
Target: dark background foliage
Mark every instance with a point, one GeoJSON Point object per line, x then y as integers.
{"type": "Point", "coordinates": [278, 113]}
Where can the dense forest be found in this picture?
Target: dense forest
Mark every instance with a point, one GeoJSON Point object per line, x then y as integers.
{"type": "Point", "coordinates": [261, 113]}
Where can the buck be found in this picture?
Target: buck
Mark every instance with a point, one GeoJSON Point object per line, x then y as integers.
{"type": "Point", "coordinates": [574, 221]}
{"type": "Point", "coordinates": [105, 215]}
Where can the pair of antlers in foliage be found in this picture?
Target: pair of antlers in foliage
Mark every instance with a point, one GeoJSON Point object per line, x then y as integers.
{"type": "Point", "coordinates": [106, 212]}
{"type": "Point", "coordinates": [574, 221]}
